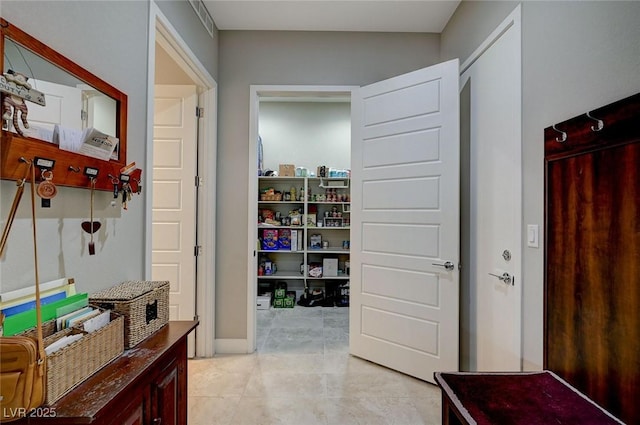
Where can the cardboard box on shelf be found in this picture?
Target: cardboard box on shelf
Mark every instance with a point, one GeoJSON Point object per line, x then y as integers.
{"type": "Point", "coordinates": [330, 267]}
{"type": "Point", "coordinates": [315, 242]}
{"type": "Point", "coordinates": [287, 170]}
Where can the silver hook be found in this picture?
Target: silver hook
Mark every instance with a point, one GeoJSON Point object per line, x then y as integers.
{"type": "Point", "coordinates": [563, 138]}
{"type": "Point", "coordinates": [599, 121]}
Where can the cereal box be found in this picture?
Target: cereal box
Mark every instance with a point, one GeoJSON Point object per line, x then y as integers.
{"type": "Point", "coordinates": [284, 239]}
{"type": "Point", "coordinates": [270, 239]}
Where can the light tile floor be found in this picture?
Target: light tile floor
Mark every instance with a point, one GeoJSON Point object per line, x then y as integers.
{"type": "Point", "coordinates": [302, 374]}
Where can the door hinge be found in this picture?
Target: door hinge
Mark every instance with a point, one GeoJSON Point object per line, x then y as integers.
{"type": "Point", "coordinates": [199, 112]}
{"type": "Point", "coordinates": [197, 250]}
{"type": "Point", "coordinates": [199, 181]}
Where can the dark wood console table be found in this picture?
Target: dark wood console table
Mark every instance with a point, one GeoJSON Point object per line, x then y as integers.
{"type": "Point", "coordinates": [146, 385]}
{"type": "Point", "coordinates": [519, 398]}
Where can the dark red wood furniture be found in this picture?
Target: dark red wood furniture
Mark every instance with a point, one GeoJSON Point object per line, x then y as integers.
{"type": "Point", "coordinates": [146, 385]}
{"type": "Point", "coordinates": [592, 255]}
{"type": "Point", "coordinates": [520, 398]}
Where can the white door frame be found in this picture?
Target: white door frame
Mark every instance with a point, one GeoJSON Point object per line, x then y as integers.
{"type": "Point", "coordinates": [170, 39]}
{"type": "Point", "coordinates": [512, 20]}
{"type": "Point", "coordinates": [256, 92]}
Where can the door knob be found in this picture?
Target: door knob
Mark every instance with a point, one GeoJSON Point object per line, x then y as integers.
{"type": "Point", "coordinates": [447, 265]}
{"type": "Point", "coordinates": [505, 277]}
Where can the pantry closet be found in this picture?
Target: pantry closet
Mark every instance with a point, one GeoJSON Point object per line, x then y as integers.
{"type": "Point", "coordinates": [301, 192]}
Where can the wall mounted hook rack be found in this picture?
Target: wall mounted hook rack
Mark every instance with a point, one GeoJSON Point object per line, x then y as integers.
{"type": "Point", "coordinates": [599, 123]}
{"type": "Point", "coordinates": [563, 135]}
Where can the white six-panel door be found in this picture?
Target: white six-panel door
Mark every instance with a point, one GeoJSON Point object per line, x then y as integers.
{"type": "Point", "coordinates": [404, 302]}
{"type": "Point", "coordinates": [174, 196]}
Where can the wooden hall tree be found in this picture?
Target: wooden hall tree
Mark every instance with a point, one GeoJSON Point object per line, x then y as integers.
{"type": "Point", "coordinates": [592, 255]}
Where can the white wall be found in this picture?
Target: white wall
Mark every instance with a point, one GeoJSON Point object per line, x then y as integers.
{"type": "Point", "coordinates": [306, 134]}
{"type": "Point", "coordinates": [576, 56]}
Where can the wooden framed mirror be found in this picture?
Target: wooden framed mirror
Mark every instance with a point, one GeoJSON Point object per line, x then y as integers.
{"type": "Point", "coordinates": [76, 102]}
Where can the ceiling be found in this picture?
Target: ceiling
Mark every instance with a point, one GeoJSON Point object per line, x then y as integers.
{"type": "Point", "coordinates": [332, 15]}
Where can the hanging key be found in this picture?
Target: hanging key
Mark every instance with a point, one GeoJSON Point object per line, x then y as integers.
{"type": "Point", "coordinates": [125, 194]}
{"type": "Point", "coordinates": [115, 182]}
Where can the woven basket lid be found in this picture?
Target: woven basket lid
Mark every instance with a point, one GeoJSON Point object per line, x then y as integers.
{"type": "Point", "coordinates": [129, 290]}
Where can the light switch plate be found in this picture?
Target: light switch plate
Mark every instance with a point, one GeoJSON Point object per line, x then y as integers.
{"type": "Point", "coordinates": [533, 235]}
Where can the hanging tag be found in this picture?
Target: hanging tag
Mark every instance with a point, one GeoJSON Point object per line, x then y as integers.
{"type": "Point", "coordinates": [46, 189]}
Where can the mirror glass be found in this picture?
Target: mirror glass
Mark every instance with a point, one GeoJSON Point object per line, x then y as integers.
{"type": "Point", "coordinates": [65, 103]}
{"type": "Point", "coordinates": [70, 102]}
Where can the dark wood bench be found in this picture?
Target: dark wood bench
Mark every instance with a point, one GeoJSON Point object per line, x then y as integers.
{"type": "Point", "coordinates": [526, 398]}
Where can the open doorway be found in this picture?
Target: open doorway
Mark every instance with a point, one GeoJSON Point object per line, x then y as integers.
{"type": "Point", "coordinates": [303, 129]}
{"type": "Point", "coordinates": [406, 139]}
{"type": "Point", "coordinates": [182, 158]}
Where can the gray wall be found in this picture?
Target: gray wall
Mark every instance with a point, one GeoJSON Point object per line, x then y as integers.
{"type": "Point", "coordinates": [247, 57]}
{"type": "Point", "coordinates": [187, 23]}
{"type": "Point", "coordinates": [576, 57]}
{"type": "Point", "coordinates": [108, 38]}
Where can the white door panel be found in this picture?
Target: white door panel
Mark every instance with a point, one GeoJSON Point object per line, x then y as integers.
{"type": "Point", "coordinates": [174, 197]}
{"type": "Point", "coordinates": [496, 202]}
{"type": "Point", "coordinates": [405, 162]}
{"type": "Point", "coordinates": [417, 287]}
{"type": "Point", "coordinates": [390, 103]}
{"type": "Point", "coordinates": [64, 107]}
{"type": "Point", "coordinates": [420, 146]}
{"type": "Point", "coordinates": [402, 239]}
{"type": "Point", "coordinates": [391, 194]}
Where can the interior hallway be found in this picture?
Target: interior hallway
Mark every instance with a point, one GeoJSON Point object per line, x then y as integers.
{"type": "Point", "coordinates": [302, 374]}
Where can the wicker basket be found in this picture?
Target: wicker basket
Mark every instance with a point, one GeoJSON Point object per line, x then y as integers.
{"type": "Point", "coordinates": [73, 364]}
{"type": "Point", "coordinates": [144, 305]}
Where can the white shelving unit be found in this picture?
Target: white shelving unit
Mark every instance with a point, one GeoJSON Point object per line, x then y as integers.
{"type": "Point", "coordinates": [318, 210]}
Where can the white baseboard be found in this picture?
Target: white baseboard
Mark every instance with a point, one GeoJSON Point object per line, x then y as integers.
{"type": "Point", "coordinates": [231, 346]}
